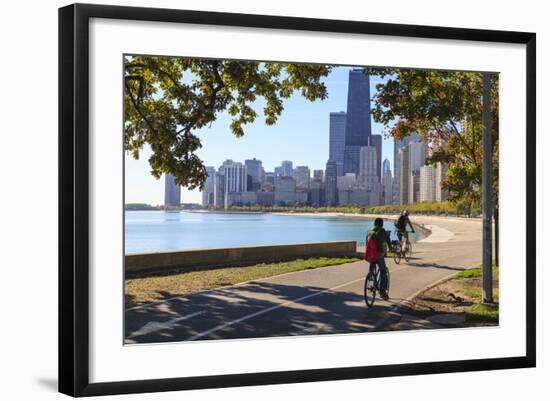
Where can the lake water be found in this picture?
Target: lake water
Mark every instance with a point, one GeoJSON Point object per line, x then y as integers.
{"type": "Point", "coordinates": [153, 231]}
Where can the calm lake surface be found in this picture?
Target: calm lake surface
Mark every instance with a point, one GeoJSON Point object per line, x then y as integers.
{"type": "Point", "coordinates": [154, 231]}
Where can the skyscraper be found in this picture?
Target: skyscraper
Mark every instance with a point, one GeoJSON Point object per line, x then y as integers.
{"type": "Point", "coordinates": [414, 186]}
{"type": "Point", "coordinates": [286, 168]}
{"type": "Point", "coordinates": [235, 177]}
{"type": "Point", "coordinates": [427, 184]}
{"type": "Point", "coordinates": [385, 167]}
{"type": "Point", "coordinates": [172, 192]}
{"type": "Point", "coordinates": [330, 184]}
{"type": "Point", "coordinates": [254, 174]}
{"type": "Point", "coordinates": [376, 141]}
{"type": "Point", "coordinates": [417, 155]}
{"type": "Point", "coordinates": [302, 176]}
{"type": "Point", "coordinates": [319, 175]}
{"type": "Point", "coordinates": [367, 166]}
{"type": "Point", "coordinates": [388, 188]}
{"type": "Point", "coordinates": [358, 124]}
{"type": "Point", "coordinates": [208, 191]}
{"type": "Point", "coordinates": [404, 174]}
{"type": "Point", "coordinates": [337, 136]}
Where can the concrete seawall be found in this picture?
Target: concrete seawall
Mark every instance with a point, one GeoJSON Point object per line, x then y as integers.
{"type": "Point", "coordinates": [141, 263]}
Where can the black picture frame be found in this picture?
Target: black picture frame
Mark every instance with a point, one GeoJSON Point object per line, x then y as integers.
{"type": "Point", "coordinates": [74, 200]}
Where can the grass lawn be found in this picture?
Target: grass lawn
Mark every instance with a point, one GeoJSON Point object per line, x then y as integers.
{"type": "Point", "coordinates": [470, 281]}
{"type": "Point", "coordinates": [148, 289]}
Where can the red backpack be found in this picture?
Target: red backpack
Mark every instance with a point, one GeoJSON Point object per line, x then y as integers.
{"type": "Point", "coordinates": [371, 251]}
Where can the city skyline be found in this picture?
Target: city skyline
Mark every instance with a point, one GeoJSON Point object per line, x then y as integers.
{"type": "Point", "coordinates": [261, 141]}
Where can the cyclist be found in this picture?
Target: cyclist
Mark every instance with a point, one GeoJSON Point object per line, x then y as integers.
{"type": "Point", "coordinates": [380, 236]}
{"type": "Point", "coordinates": [401, 226]}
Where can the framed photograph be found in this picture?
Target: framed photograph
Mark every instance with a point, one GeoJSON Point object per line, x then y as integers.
{"type": "Point", "coordinates": [251, 199]}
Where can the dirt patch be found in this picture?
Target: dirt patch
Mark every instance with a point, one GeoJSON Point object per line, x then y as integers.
{"type": "Point", "coordinates": [458, 296]}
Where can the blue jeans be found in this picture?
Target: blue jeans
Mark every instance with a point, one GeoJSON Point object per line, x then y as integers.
{"type": "Point", "coordinates": [383, 272]}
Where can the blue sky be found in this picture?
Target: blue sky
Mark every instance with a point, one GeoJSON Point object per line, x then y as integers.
{"type": "Point", "coordinates": [301, 134]}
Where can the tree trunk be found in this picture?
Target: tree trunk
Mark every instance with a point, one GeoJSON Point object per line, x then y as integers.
{"type": "Point", "coordinates": [496, 234]}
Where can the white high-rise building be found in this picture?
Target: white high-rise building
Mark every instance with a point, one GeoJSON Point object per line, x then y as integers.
{"type": "Point", "coordinates": [235, 177]}
{"type": "Point", "coordinates": [427, 184]}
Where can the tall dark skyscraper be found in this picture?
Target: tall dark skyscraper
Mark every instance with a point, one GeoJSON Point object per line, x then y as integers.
{"type": "Point", "coordinates": [358, 125]}
{"type": "Point", "coordinates": [358, 122]}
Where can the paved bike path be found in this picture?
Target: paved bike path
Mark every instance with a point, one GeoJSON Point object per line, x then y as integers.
{"type": "Point", "coordinates": [324, 300]}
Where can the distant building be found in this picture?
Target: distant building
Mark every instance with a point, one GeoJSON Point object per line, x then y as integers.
{"type": "Point", "coordinates": [301, 196]}
{"type": "Point", "coordinates": [331, 191]}
{"type": "Point", "coordinates": [417, 155]}
{"type": "Point", "coordinates": [376, 142]}
{"type": "Point", "coordinates": [319, 175]}
{"type": "Point", "coordinates": [172, 192]}
{"type": "Point", "coordinates": [235, 181]}
{"type": "Point", "coordinates": [346, 182]}
{"type": "Point", "coordinates": [316, 192]}
{"type": "Point", "coordinates": [266, 198]}
{"type": "Point", "coordinates": [404, 174]}
{"type": "Point", "coordinates": [235, 177]}
{"type": "Point", "coordinates": [397, 147]}
{"type": "Point", "coordinates": [388, 188]}
{"type": "Point", "coordinates": [286, 166]}
{"type": "Point", "coordinates": [368, 167]}
{"type": "Point", "coordinates": [427, 184]}
{"type": "Point", "coordinates": [337, 136]}
{"type": "Point", "coordinates": [249, 198]}
{"type": "Point", "coordinates": [208, 191]}
{"type": "Point", "coordinates": [219, 188]}
{"type": "Point", "coordinates": [285, 191]}
{"type": "Point", "coordinates": [302, 176]}
{"type": "Point", "coordinates": [385, 166]}
{"type": "Point", "coordinates": [414, 187]}
{"type": "Point", "coordinates": [278, 171]}
{"type": "Point", "coordinates": [254, 174]}
{"type": "Point", "coordinates": [358, 119]}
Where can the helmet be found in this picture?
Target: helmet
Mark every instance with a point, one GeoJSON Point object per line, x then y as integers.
{"type": "Point", "coordinates": [405, 213]}
{"type": "Point", "coordinates": [378, 222]}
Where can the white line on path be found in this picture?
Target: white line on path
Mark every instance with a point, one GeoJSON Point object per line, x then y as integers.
{"type": "Point", "coordinates": [272, 308]}
{"type": "Point", "coordinates": [151, 327]}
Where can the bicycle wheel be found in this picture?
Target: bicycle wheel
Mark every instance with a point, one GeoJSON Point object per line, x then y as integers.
{"type": "Point", "coordinates": [397, 256]}
{"type": "Point", "coordinates": [370, 289]}
{"type": "Point", "coordinates": [408, 251]}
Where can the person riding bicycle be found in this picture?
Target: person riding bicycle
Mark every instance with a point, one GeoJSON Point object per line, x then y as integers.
{"type": "Point", "coordinates": [401, 225]}
{"type": "Point", "coordinates": [380, 236]}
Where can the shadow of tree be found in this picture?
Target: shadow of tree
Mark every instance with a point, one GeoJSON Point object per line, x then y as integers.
{"type": "Point", "coordinates": [256, 310]}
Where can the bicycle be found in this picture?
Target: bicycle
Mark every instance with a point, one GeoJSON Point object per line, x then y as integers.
{"type": "Point", "coordinates": [401, 251]}
{"type": "Point", "coordinates": [372, 284]}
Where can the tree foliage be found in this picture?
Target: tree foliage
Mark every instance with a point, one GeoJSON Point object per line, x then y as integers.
{"type": "Point", "coordinates": [445, 109]}
{"type": "Point", "coordinates": [166, 99]}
